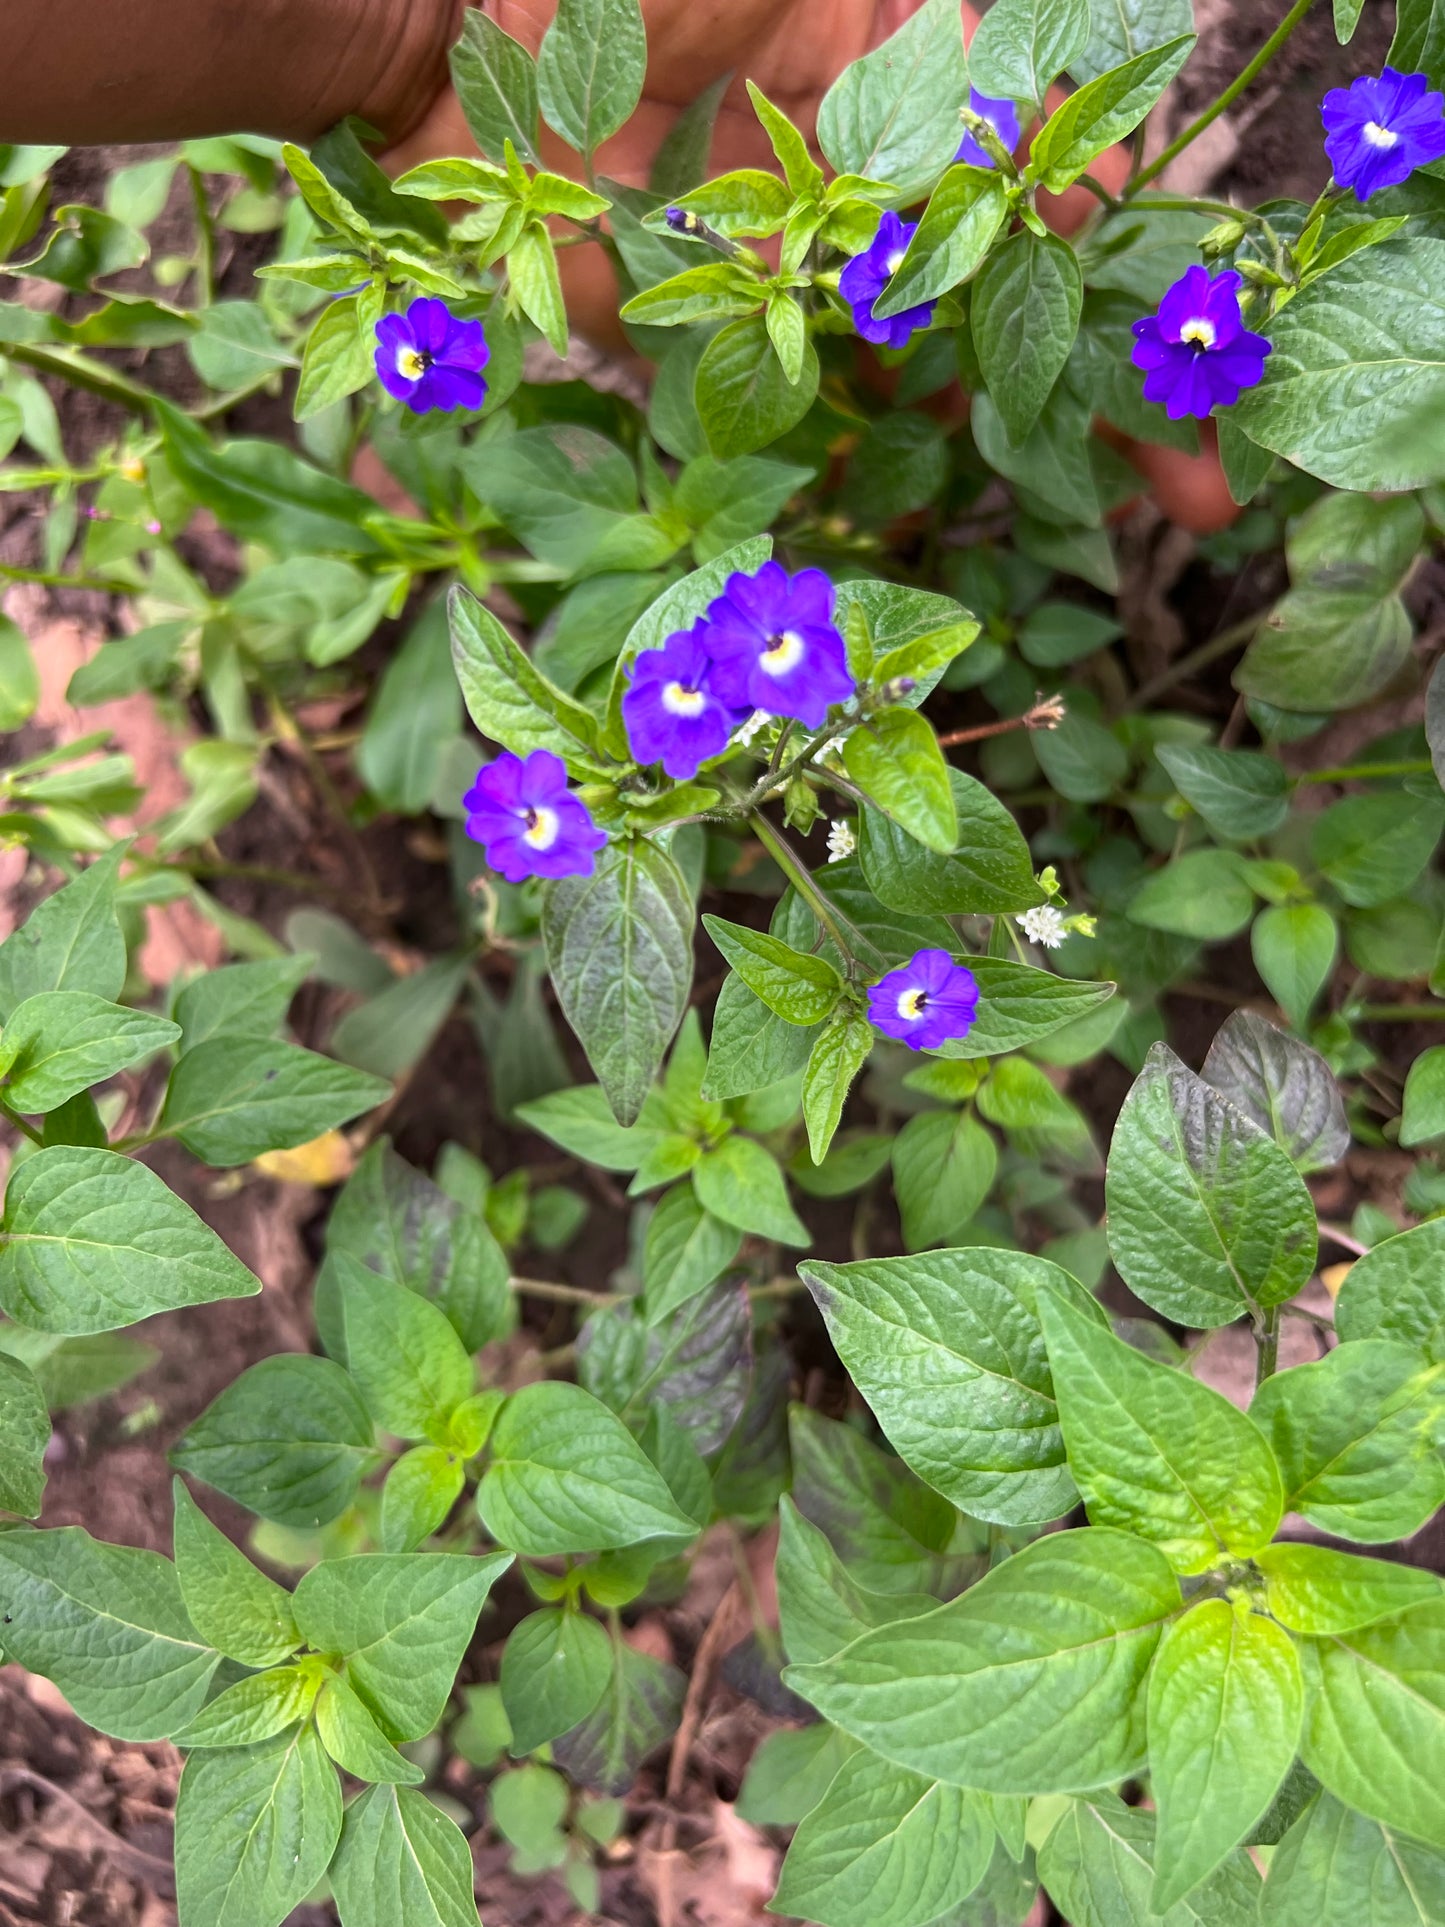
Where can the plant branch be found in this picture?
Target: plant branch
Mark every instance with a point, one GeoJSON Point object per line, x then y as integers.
{"type": "Point", "coordinates": [1047, 713]}
{"type": "Point", "coordinates": [559, 1294]}
{"type": "Point", "coordinates": [1224, 101]}
{"type": "Point", "coordinates": [13, 1116]}
{"type": "Point", "coordinates": [1266, 1339]}
{"type": "Point", "coordinates": [1365, 772]}
{"type": "Point", "coordinates": [801, 880]}
{"type": "Point", "coordinates": [1184, 666]}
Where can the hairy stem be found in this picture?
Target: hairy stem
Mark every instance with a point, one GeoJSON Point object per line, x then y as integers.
{"type": "Point", "coordinates": [801, 880]}
{"type": "Point", "coordinates": [13, 1116]}
{"type": "Point", "coordinates": [1266, 1340]}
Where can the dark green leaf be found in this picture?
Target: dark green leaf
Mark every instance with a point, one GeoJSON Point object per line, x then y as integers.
{"type": "Point", "coordinates": [232, 1605]}
{"type": "Point", "coordinates": [235, 1097]}
{"type": "Point", "coordinates": [893, 115]}
{"type": "Point", "coordinates": [1282, 1085]}
{"type": "Point", "coordinates": [496, 83]}
{"type": "Point", "coordinates": [990, 872]}
{"type": "Point", "coordinates": [555, 1668]}
{"type": "Point", "coordinates": [71, 941]}
{"type": "Point", "coordinates": [744, 398]}
{"type": "Point", "coordinates": [1024, 313]}
{"type": "Point", "coordinates": [24, 1435]}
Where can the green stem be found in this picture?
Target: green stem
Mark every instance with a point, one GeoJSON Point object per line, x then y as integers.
{"type": "Point", "coordinates": [1400, 1014]}
{"type": "Point", "coordinates": [259, 873]}
{"type": "Point", "coordinates": [51, 580]}
{"type": "Point", "coordinates": [558, 1294]}
{"type": "Point", "coordinates": [14, 1117]}
{"type": "Point", "coordinates": [801, 880]}
{"type": "Point", "coordinates": [1364, 772]}
{"type": "Point", "coordinates": [82, 372]}
{"type": "Point", "coordinates": [1266, 1338]}
{"type": "Point", "coordinates": [1225, 100]}
{"type": "Point", "coordinates": [1184, 666]}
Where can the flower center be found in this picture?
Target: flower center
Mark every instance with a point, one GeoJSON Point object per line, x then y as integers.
{"type": "Point", "coordinates": [1198, 331]}
{"type": "Point", "coordinates": [542, 827]}
{"type": "Point", "coordinates": [1379, 136]}
{"type": "Point", "coordinates": [679, 700]}
{"type": "Point", "coordinates": [895, 260]}
{"type": "Point", "coordinates": [911, 1004]}
{"type": "Point", "coordinates": [412, 363]}
{"type": "Point", "coordinates": [783, 653]}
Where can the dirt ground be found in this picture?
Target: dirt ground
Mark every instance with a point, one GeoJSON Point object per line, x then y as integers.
{"type": "Point", "coordinates": [85, 1821]}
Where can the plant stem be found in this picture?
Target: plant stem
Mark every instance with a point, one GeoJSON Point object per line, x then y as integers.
{"type": "Point", "coordinates": [1184, 666]}
{"type": "Point", "coordinates": [1225, 100]}
{"type": "Point", "coordinates": [1400, 1013]}
{"type": "Point", "coordinates": [559, 1294]}
{"type": "Point", "coordinates": [12, 573]}
{"type": "Point", "coordinates": [82, 372]}
{"type": "Point", "coordinates": [1047, 713]}
{"type": "Point", "coordinates": [1363, 772]}
{"type": "Point", "coordinates": [260, 873]}
{"type": "Point", "coordinates": [14, 1117]}
{"type": "Point", "coordinates": [1266, 1339]}
{"type": "Point", "coordinates": [800, 879]}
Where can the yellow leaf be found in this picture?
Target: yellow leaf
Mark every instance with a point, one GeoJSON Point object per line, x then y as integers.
{"type": "Point", "coordinates": [327, 1159]}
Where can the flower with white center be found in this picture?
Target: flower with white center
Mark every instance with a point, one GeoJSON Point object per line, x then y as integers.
{"type": "Point", "coordinates": [841, 840]}
{"type": "Point", "coordinates": [1043, 925]}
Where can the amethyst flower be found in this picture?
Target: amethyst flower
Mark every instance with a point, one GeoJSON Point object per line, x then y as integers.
{"type": "Point", "coordinates": [1379, 131]}
{"type": "Point", "coordinates": [529, 821]}
{"type": "Point", "coordinates": [868, 274]}
{"type": "Point", "coordinates": [774, 645]}
{"type": "Point", "coordinates": [1197, 351]}
{"type": "Point", "coordinates": [1002, 116]}
{"type": "Point", "coordinates": [672, 712]}
{"type": "Point", "coordinates": [430, 359]}
{"type": "Point", "coordinates": [928, 1001]}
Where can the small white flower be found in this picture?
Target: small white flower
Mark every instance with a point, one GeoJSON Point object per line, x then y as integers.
{"type": "Point", "coordinates": [745, 733]}
{"type": "Point", "coordinates": [1043, 925]}
{"type": "Point", "coordinates": [834, 744]}
{"type": "Point", "coordinates": [841, 841]}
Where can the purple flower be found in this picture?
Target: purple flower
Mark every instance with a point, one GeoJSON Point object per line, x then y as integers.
{"type": "Point", "coordinates": [672, 713]}
{"type": "Point", "coordinates": [774, 645]}
{"type": "Point", "coordinates": [1379, 131]}
{"type": "Point", "coordinates": [1002, 116]}
{"type": "Point", "coordinates": [1197, 350]}
{"type": "Point", "coordinates": [529, 821]}
{"type": "Point", "coordinates": [868, 274]}
{"type": "Point", "coordinates": [429, 359]}
{"type": "Point", "coordinates": [928, 1001]}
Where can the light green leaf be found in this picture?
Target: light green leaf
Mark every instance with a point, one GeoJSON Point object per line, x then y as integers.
{"type": "Point", "coordinates": [567, 1476]}
{"type": "Point", "coordinates": [255, 1830]}
{"type": "Point", "coordinates": [24, 1435]}
{"type": "Point", "coordinates": [1023, 45]}
{"type": "Point", "coordinates": [836, 1059]}
{"type": "Point", "coordinates": [685, 1250]}
{"type": "Point", "coordinates": [403, 1353]}
{"type": "Point", "coordinates": [751, 1046]}
{"type": "Point", "coordinates": [246, 999]}
{"type": "Point", "coordinates": [508, 699]}
{"type": "Point", "coordinates": [19, 678]}
{"type": "Point", "coordinates": [1335, 1868]}
{"type": "Point", "coordinates": [108, 1626]}
{"type": "Point", "coordinates": [354, 1740]}
{"type": "Point", "coordinates": [1203, 894]}
{"type": "Point", "coordinates": [964, 213]}
{"type": "Point", "coordinates": [555, 1668]}
{"type": "Point", "coordinates": [232, 1605]}
{"type": "Point", "coordinates": [61, 1042]}
{"type": "Point", "coordinates": [232, 1099]}
{"type": "Point", "coordinates": [744, 397]}
{"type": "Point", "coordinates": [1019, 1006]}
{"type": "Point", "coordinates": [1294, 947]}
{"type": "Point", "coordinates": [885, 1848]}
{"type": "Point", "coordinates": [943, 1168]}
{"type": "Point", "coordinates": [420, 1490]}
{"type": "Point", "coordinates": [1154, 1451]}
{"type": "Point", "coordinates": [254, 1709]}
{"type": "Point", "coordinates": [1119, 29]}
{"type": "Point", "coordinates": [90, 1241]}
{"type": "Point", "coordinates": [1031, 1681]}
{"type": "Point", "coordinates": [893, 115]}
{"type": "Point", "coordinates": [402, 1621]}
{"type": "Point", "coordinates": [1103, 111]}
{"type": "Point", "coordinates": [797, 985]}
{"type": "Point", "coordinates": [1226, 1701]}
{"type": "Point", "coordinates": [1423, 1115]}
{"type": "Point", "coordinates": [619, 947]}
{"type": "Point", "coordinates": [1098, 1866]}
{"type": "Point", "coordinates": [1024, 314]}
{"type": "Point", "coordinates": [895, 760]}
{"type": "Point", "coordinates": [581, 1121]}
{"type": "Point", "coordinates": [741, 1183]}
{"type": "Point", "coordinates": [590, 69]}
{"type": "Point", "coordinates": [1314, 1589]}
{"type": "Point", "coordinates": [496, 84]}
{"type": "Point", "coordinates": [402, 1860]}
{"type": "Point", "coordinates": [1207, 1216]}
{"type": "Point", "coordinates": [948, 1351]}
{"type": "Point", "coordinates": [990, 873]}
{"type": "Point", "coordinates": [821, 1607]}
{"type": "Point", "coordinates": [1397, 1291]}
{"type": "Point", "coordinates": [71, 941]}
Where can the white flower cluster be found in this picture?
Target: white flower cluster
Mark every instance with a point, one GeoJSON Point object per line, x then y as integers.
{"type": "Point", "coordinates": [841, 841]}
{"type": "Point", "coordinates": [1043, 925]}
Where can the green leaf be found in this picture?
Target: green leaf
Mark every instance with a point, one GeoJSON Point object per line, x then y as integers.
{"type": "Point", "coordinates": [354, 1740]}
{"type": "Point", "coordinates": [1397, 1291]}
{"type": "Point", "coordinates": [943, 1168]}
{"type": "Point", "coordinates": [1019, 1006]}
{"type": "Point", "coordinates": [948, 1351]}
{"type": "Point", "coordinates": [740, 1183]}
{"type": "Point", "coordinates": [893, 115]}
{"type": "Point", "coordinates": [567, 1476]}
{"type": "Point", "coordinates": [725, 502]}
{"type": "Point", "coordinates": [71, 941]}
{"type": "Point", "coordinates": [836, 1059]}
{"type": "Point", "coordinates": [685, 1250]}
{"type": "Point", "coordinates": [19, 678]}
{"type": "Point", "coordinates": [232, 1605]}
{"type": "Point", "coordinates": [885, 1848]}
{"type": "Point", "coordinates": [420, 1490]}
{"type": "Point", "coordinates": [1053, 463]}
{"type": "Point", "coordinates": [73, 1371]}
{"type": "Point", "coordinates": [403, 1622]}
{"type": "Point", "coordinates": [714, 290]}
{"type": "Point", "coordinates": [990, 873]}
{"type": "Point", "coordinates": [402, 1859]}
{"type": "Point", "coordinates": [1240, 793]}
{"type": "Point", "coordinates": [1226, 1702]}
{"type": "Point", "coordinates": [1335, 1868]}
{"type": "Point", "coordinates": [233, 1098]}
{"type": "Point", "coordinates": [508, 699]}
{"type": "Point", "coordinates": [744, 397]}
{"type": "Point", "coordinates": [91, 1241]}
{"type": "Point", "coordinates": [1119, 29]}
{"type": "Point", "coordinates": [1103, 111]}
{"type": "Point", "coordinates": [1098, 1865]}
{"type": "Point", "coordinates": [555, 1668]}
{"type": "Point", "coordinates": [1373, 847]}
{"type": "Point", "coordinates": [414, 713]}
{"type": "Point", "coordinates": [619, 947]}
{"type": "Point", "coordinates": [1031, 1681]}
{"type": "Point", "coordinates": [1314, 1589]}
{"type": "Point", "coordinates": [255, 1830]}
{"type": "Point", "coordinates": [799, 987]}
{"type": "Point", "coordinates": [536, 284]}
{"type": "Point", "coordinates": [254, 1709]}
{"type": "Point", "coordinates": [895, 760]}
{"type": "Point", "coordinates": [1423, 1115]}
{"type": "Point", "coordinates": [955, 231]}
{"type": "Point", "coordinates": [639, 1710]}
{"type": "Point", "coordinates": [338, 358]}
{"type": "Point", "coordinates": [821, 1607]}
{"type": "Point", "coordinates": [1357, 370]}
{"type": "Point", "coordinates": [108, 1626]}
{"type": "Point", "coordinates": [1154, 1451]}
{"type": "Point", "coordinates": [790, 1772]}
{"type": "Point", "coordinates": [1294, 947]}
{"type": "Point", "coordinates": [1189, 1174]}
{"type": "Point", "coordinates": [496, 83]}
{"type": "Point", "coordinates": [1286, 1088]}
{"type": "Point", "coordinates": [246, 999]}
{"type": "Point", "coordinates": [1355, 1434]}
{"type": "Point", "coordinates": [751, 1046]}
{"type": "Point", "coordinates": [1025, 45]}
{"type": "Point", "coordinates": [1024, 314]}
{"type": "Point", "coordinates": [61, 1042]}
{"type": "Point", "coordinates": [590, 69]}
{"type": "Point", "coordinates": [1323, 647]}
{"type": "Point", "coordinates": [290, 1439]}
{"type": "Point", "coordinates": [1375, 1719]}
{"type": "Point", "coordinates": [406, 1359]}
{"type": "Point", "coordinates": [1202, 894]}
{"type": "Point", "coordinates": [696, 1365]}
{"type": "Point", "coordinates": [580, 1121]}
{"type": "Point", "coordinates": [24, 1435]}
{"type": "Point", "coordinates": [804, 176]}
